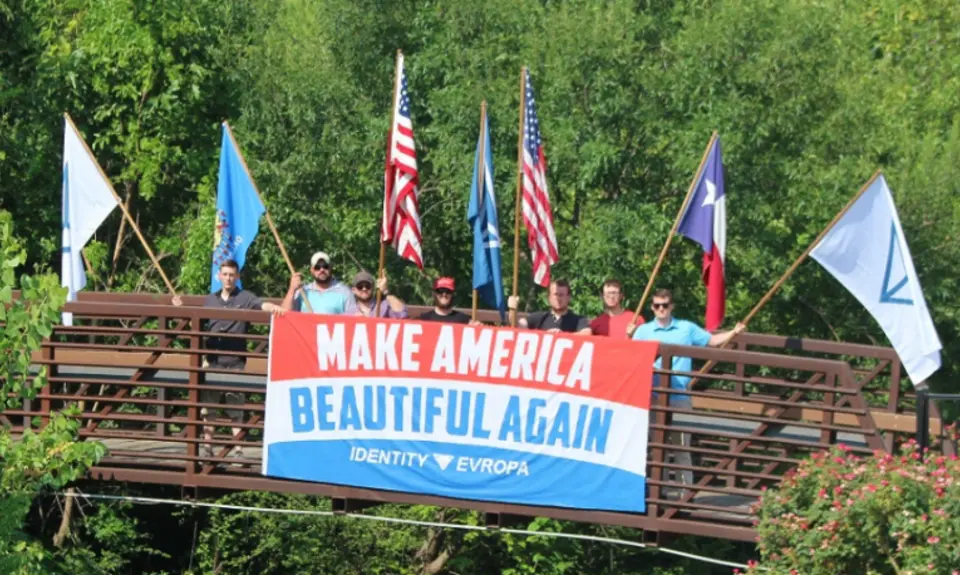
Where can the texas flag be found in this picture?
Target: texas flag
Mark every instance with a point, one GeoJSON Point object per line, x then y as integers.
{"type": "Point", "coordinates": [705, 222]}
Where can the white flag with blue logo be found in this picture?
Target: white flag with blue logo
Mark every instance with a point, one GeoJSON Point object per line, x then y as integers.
{"type": "Point", "coordinates": [867, 252]}
{"type": "Point", "coordinates": [88, 199]}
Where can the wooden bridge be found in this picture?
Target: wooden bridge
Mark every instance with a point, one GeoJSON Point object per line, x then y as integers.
{"type": "Point", "coordinates": [133, 364]}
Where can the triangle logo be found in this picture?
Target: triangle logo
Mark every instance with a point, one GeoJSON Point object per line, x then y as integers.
{"type": "Point", "coordinates": [443, 460]}
{"type": "Point", "coordinates": [895, 269]}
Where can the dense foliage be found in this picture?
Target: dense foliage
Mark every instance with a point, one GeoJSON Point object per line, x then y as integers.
{"type": "Point", "coordinates": [809, 98]}
{"type": "Point", "coordinates": [885, 514]}
{"type": "Point", "coordinates": [49, 458]}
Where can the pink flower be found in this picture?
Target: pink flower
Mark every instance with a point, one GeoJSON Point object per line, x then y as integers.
{"type": "Point", "coordinates": [822, 494]}
{"type": "Point", "coordinates": [871, 488]}
{"type": "Point", "coordinates": [933, 540]}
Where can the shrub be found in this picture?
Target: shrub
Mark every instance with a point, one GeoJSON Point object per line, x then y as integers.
{"type": "Point", "coordinates": [838, 513]}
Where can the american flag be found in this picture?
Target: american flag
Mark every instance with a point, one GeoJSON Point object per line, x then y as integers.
{"type": "Point", "coordinates": [401, 212]}
{"type": "Point", "coordinates": [537, 213]}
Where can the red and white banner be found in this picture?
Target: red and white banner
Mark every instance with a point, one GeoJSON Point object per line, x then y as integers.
{"type": "Point", "coordinates": [468, 412]}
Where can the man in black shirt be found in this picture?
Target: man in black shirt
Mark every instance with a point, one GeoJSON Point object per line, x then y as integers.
{"type": "Point", "coordinates": [559, 318]}
{"type": "Point", "coordinates": [443, 304]}
{"type": "Point", "coordinates": [229, 297]}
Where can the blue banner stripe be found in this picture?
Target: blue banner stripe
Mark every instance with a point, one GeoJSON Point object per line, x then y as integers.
{"type": "Point", "coordinates": [460, 471]}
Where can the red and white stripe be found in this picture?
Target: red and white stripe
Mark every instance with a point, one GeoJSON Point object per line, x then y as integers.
{"type": "Point", "coordinates": [537, 212]}
{"type": "Point", "coordinates": [538, 217]}
{"type": "Point", "coordinates": [401, 210]}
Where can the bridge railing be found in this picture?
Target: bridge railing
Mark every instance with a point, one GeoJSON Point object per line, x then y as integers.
{"type": "Point", "coordinates": [136, 372]}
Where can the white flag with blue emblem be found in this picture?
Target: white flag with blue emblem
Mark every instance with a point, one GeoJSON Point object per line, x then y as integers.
{"type": "Point", "coordinates": [867, 252]}
{"type": "Point", "coordinates": [88, 199]}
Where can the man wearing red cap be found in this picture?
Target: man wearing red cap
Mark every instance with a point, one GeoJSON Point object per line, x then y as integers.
{"type": "Point", "coordinates": [443, 304]}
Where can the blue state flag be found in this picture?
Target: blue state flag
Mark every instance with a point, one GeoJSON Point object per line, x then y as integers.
{"type": "Point", "coordinates": [238, 210]}
{"type": "Point", "coordinates": [482, 215]}
{"type": "Point", "coordinates": [867, 252]}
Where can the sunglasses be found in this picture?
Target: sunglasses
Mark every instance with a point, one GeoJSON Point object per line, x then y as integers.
{"type": "Point", "coordinates": [660, 305]}
{"type": "Point", "coordinates": [322, 266]}
{"type": "Point", "coordinates": [443, 291]}
{"type": "Point", "coordinates": [364, 286]}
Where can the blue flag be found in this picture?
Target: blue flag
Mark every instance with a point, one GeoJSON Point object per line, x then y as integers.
{"type": "Point", "coordinates": [482, 215]}
{"type": "Point", "coordinates": [238, 210]}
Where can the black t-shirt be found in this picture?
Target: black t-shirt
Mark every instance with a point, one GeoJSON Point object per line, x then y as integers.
{"type": "Point", "coordinates": [239, 299]}
{"type": "Point", "coordinates": [453, 317]}
{"type": "Point", "coordinates": [568, 322]}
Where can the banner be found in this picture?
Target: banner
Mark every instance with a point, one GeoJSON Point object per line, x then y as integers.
{"type": "Point", "coordinates": [483, 413]}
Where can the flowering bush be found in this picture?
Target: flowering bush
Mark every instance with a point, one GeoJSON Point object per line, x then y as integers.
{"type": "Point", "coordinates": [838, 513]}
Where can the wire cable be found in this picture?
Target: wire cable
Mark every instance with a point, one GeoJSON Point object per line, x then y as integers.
{"type": "Point", "coordinates": [400, 521]}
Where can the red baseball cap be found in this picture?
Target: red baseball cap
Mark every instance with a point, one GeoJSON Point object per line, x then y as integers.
{"type": "Point", "coordinates": [444, 283]}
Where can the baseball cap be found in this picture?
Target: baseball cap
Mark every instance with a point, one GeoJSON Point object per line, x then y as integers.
{"type": "Point", "coordinates": [362, 277]}
{"type": "Point", "coordinates": [317, 257]}
{"type": "Point", "coordinates": [444, 283]}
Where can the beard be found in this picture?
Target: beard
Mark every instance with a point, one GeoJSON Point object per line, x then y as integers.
{"type": "Point", "coordinates": [445, 307]}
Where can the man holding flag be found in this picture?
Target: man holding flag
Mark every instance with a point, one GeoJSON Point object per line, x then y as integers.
{"type": "Point", "coordinates": [482, 215]}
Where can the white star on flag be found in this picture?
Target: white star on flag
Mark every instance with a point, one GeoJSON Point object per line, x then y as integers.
{"type": "Point", "coordinates": [711, 198]}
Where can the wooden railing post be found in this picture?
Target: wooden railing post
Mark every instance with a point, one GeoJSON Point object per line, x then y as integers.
{"type": "Point", "coordinates": [658, 454]}
{"type": "Point", "coordinates": [193, 393]}
{"type": "Point", "coordinates": [47, 354]}
{"type": "Point", "coordinates": [829, 399]}
{"type": "Point", "coordinates": [738, 387]}
{"type": "Point", "coordinates": [162, 392]}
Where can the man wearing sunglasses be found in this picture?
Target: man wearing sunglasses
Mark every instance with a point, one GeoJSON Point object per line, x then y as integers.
{"type": "Point", "coordinates": [325, 294]}
{"type": "Point", "coordinates": [392, 306]}
{"type": "Point", "coordinates": [443, 304]}
{"type": "Point", "coordinates": [667, 329]}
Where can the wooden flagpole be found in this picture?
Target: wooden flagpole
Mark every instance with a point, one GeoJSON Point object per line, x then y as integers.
{"type": "Point", "coordinates": [381, 272]}
{"type": "Point", "coordinates": [673, 230]}
{"type": "Point", "coordinates": [779, 283]}
{"type": "Point", "coordinates": [481, 181]}
{"type": "Point", "coordinates": [517, 209]}
{"type": "Point", "coordinates": [266, 212]}
{"type": "Point", "coordinates": [123, 208]}
{"type": "Point", "coordinates": [773, 290]}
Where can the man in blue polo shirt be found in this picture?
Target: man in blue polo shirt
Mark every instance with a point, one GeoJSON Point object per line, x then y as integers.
{"type": "Point", "coordinates": [667, 329]}
{"type": "Point", "coordinates": [325, 293]}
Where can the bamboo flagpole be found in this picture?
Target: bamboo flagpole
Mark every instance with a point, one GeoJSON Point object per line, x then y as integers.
{"type": "Point", "coordinates": [266, 212]}
{"type": "Point", "coordinates": [388, 185]}
{"type": "Point", "coordinates": [673, 230]}
{"type": "Point", "coordinates": [793, 267]}
{"type": "Point", "coordinates": [516, 216]}
{"type": "Point", "coordinates": [126, 212]}
{"type": "Point", "coordinates": [481, 182]}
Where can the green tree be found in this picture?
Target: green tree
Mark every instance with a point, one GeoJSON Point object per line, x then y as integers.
{"type": "Point", "coordinates": [36, 460]}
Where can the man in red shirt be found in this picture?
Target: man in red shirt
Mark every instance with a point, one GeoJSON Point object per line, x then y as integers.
{"type": "Point", "coordinates": [614, 320]}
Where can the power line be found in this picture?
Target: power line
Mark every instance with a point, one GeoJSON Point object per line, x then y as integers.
{"type": "Point", "coordinates": [401, 521]}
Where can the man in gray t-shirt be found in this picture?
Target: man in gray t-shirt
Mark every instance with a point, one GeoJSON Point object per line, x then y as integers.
{"type": "Point", "coordinates": [229, 297]}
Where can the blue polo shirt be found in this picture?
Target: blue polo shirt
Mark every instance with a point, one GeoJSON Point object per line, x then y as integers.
{"type": "Point", "coordinates": [678, 332]}
{"type": "Point", "coordinates": [335, 300]}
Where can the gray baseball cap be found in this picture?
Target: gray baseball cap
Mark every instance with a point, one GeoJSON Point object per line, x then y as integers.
{"type": "Point", "coordinates": [362, 277]}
